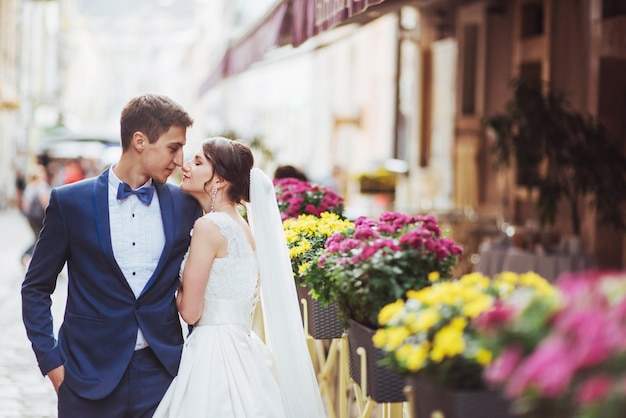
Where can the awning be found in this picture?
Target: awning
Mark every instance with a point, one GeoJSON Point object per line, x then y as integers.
{"type": "Point", "coordinates": [311, 17]}
{"type": "Point", "coordinates": [293, 22]}
{"type": "Point", "coordinates": [264, 36]}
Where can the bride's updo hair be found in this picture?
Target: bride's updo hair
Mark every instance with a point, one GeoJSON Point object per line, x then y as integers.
{"type": "Point", "coordinates": [232, 160]}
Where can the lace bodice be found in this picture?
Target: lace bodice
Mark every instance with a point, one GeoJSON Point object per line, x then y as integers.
{"type": "Point", "coordinates": [234, 277]}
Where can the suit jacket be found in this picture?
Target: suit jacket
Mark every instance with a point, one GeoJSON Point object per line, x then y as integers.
{"type": "Point", "coordinates": [97, 337]}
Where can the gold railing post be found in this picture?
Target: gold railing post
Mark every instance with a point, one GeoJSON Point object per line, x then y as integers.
{"type": "Point", "coordinates": [305, 315]}
{"type": "Point", "coordinates": [327, 362]}
{"type": "Point", "coordinates": [410, 399]}
{"type": "Point", "coordinates": [361, 352]}
{"type": "Point", "coordinates": [344, 364]}
{"type": "Point", "coordinates": [364, 402]}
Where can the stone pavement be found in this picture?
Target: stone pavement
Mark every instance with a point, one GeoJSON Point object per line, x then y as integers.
{"type": "Point", "coordinates": [24, 392]}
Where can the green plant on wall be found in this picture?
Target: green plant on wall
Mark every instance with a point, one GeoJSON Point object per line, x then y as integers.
{"type": "Point", "coordinates": [564, 154]}
{"type": "Point", "coordinates": [379, 181]}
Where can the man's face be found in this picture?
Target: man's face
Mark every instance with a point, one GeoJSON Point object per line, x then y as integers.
{"type": "Point", "coordinates": [162, 157]}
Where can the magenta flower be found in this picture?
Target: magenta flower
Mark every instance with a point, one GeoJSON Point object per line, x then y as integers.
{"type": "Point", "coordinates": [594, 389]}
{"type": "Point", "coordinates": [503, 366]}
{"type": "Point", "coordinates": [365, 233]}
{"type": "Point", "coordinates": [296, 197]}
{"type": "Point", "coordinates": [573, 348]}
{"type": "Point", "coordinates": [548, 368]}
{"type": "Point", "coordinates": [592, 344]}
{"type": "Point", "coordinates": [492, 320]}
{"type": "Point", "coordinates": [385, 257]}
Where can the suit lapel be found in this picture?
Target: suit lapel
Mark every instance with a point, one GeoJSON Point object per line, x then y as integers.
{"type": "Point", "coordinates": [103, 225]}
{"type": "Point", "coordinates": [166, 203]}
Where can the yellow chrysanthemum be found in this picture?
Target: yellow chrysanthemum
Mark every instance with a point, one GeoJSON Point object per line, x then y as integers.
{"type": "Point", "coordinates": [476, 306]}
{"type": "Point", "coordinates": [508, 277]}
{"type": "Point", "coordinates": [396, 336]}
{"type": "Point", "coordinates": [475, 279]}
{"type": "Point", "coordinates": [483, 356]}
{"type": "Point", "coordinates": [389, 311]}
{"type": "Point", "coordinates": [454, 303]}
{"type": "Point", "coordinates": [540, 284]}
{"type": "Point", "coordinates": [458, 323]}
{"type": "Point", "coordinates": [418, 357]}
{"type": "Point", "coordinates": [505, 288]}
{"type": "Point", "coordinates": [448, 342]}
{"type": "Point", "coordinates": [433, 276]}
{"type": "Point", "coordinates": [414, 356]}
{"type": "Point", "coordinates": [303, 267]}
{"type": "Point", "coordinates": [424, 320]}
{"type": "Point", "coordinates": [412, 294]}
{"type": "Point", "coordinates": [380, 338]}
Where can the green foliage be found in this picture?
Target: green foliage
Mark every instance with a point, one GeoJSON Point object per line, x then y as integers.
{"type": "Point", "coordinates": [378, 261]}
{"type": "Point", "coordinates": [563, 153]}
{"type": "Point", "coordinates": [306, 236]}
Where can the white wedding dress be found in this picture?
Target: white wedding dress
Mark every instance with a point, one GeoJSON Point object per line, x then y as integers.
{"type": "Point", "coordinates": [226, 370]}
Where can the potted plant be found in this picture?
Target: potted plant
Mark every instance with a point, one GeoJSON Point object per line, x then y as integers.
{"type": "Point", "coordinates": [306, 236]}
{"type": "Point", "coordinates": [374, 263]}
{"type": "Point", "coordinates": [377, 261]}
{"type": "Point", "coordinates": [562, 153]}
{"type": "Point", "coordinates": [296, 197]}
{"type": "Point", "coordinates": [379, 181]}
{"type": "Point", "coordinates": [562, 356]}
{"type": "Point", "coordinates": [431, 339]}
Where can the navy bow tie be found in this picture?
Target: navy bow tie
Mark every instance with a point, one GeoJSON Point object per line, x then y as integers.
{"type": "Point", "coordinates": [144, 194]}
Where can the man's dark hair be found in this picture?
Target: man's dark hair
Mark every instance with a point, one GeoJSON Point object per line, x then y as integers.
{"type": "Point", "coordinates": [153, 115]}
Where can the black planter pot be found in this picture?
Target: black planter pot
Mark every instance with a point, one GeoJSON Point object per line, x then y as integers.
{"type": "Point", "coordinates": [429, 399]}
{"type": "Point", "coordinates": [383, 385]}
{"type": "Point", "coordinates": [323, 322]}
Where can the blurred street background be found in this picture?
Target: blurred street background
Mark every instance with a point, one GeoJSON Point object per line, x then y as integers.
{"type": "Point", "coordinates": [405, 105]}
{"type": "Point", "coordinates": [412, 106]}
{"type": "Point", "coordinates": [24, 392]}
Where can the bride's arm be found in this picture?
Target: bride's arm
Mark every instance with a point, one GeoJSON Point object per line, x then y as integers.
{"type": "Point", "coordinates": [207, 243]}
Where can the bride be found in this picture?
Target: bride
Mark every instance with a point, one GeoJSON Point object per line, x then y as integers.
{"type": "Point", "coordinates": [226, 370]}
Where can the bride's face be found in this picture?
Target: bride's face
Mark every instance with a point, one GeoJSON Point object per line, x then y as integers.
{"type": "Point", "coordinates": [196, 173]}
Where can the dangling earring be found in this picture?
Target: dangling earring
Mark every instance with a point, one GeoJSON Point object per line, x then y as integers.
{"type": "Point", "coordinates": [213, 196]}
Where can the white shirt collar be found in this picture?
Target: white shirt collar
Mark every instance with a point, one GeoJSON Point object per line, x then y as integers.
{"type": "Point", "coordinates": [114, 181]}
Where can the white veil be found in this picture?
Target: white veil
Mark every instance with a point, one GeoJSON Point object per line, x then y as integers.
{"type": "Point", "coordinates": [281, 315]}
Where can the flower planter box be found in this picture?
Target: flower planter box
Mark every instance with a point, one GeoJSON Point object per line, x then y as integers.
{"type": "Point", "coordinates": [383, 385]}
{"type": "Point", "coordinates": [430, 399]}
{"type": "Point", "coordinates": [323, 322]}
{"type": "Point", "coordinates": [374, 186]}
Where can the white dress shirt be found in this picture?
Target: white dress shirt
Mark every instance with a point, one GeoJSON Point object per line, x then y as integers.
{"type": "Point", "coordinates": [137, 238]}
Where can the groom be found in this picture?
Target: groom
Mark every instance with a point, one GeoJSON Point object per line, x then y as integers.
{"type": "Point", "coordinates": [123, 236]}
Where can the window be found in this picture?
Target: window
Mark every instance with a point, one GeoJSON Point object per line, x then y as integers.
{"type": "Point", "coordinates": [470, 51]}
{"type": "Point", "coordinates": [532, 19]}
{"type": "Point", "coordinates": [612, 8]}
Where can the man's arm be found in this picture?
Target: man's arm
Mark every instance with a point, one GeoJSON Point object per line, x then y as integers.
{"type": "Point", "coordinates": [40, 282]}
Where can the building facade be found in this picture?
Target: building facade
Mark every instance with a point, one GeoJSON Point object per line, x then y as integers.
{"type": "Point", "coordinates": [406, 85]}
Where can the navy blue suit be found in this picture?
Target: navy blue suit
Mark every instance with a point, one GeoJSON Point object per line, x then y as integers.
{"type": "Point", "coordinates": [97, 337]}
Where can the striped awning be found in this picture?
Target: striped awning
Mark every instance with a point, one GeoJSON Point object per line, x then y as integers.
{"type": "Point", "coordinates": [292, 22]}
